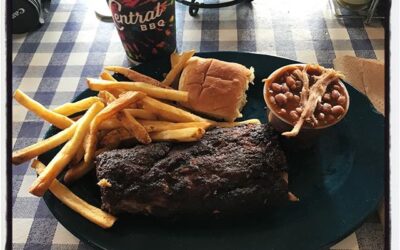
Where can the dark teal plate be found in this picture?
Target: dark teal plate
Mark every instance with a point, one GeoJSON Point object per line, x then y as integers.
{"type": "Point", "coordinates": [339, 181]}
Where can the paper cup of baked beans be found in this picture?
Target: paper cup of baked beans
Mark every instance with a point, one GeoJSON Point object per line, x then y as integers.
{"type": "Point", "coordinates": [303, 98]}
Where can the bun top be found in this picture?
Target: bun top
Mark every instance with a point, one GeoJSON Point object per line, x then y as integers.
{"type": "Point", "coordinates": [216, 88]}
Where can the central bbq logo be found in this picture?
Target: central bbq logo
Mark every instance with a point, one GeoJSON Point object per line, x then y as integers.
{"type": "Point", "coordinates": [145, 20]}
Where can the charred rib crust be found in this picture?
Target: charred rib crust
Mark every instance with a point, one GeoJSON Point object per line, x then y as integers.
{"type": "Point", "coordinates": [231, 170]}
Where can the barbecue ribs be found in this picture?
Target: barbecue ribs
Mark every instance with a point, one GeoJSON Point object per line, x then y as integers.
{"type": "Point", "coordinates": [230, 171]}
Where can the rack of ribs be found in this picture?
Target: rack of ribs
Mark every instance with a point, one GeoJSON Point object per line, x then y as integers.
{"type": "Point", "coordinates": [229, 171]}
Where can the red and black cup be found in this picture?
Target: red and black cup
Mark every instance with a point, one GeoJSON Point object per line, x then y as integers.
{"type": "Point", "coordinates": [146, 27]}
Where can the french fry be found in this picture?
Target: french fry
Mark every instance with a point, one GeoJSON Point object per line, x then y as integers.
{"type": "Point", "coordinates": [134, 127]}
{"type": "Point", "coordinates": [106, 96]}
{"type": "Point", "coordinates": [178, 135]}
{"type": "Point", "coordinates": [133, 106]}
{"type": "Point", "coordinates": [68, 109]}
{"type": "Point", "coordinates": [113, 138]}
{"type": "Point", "coordinates": [234, 124]}
{"type": "Point", "coordinates": [169, 112]}
{"type": "Point", "coordinates": [142, 114]}
{"type": "Point", "coordinates": [43, 146]}
{"type": "Point", "coordinates": [64, 156]}
{"type": "Point", "coordinates": [80, 169]}
{"type": "Point", "coordinates": [134, 75]}
{"type": "Point", "coordinates": [174, 59]}
{"type": "Point", "coordinates": [92, 213]}
{"type": "Point", "coordinates": [60, 121]}
{"type": "Point", "coordinates": [110, 124]}
{"type": "Point", "coordinates": [79, 154]}
{"type": "Point", "coordinates": [178, 67]}
{"type": "Point", "coordinates": [119, 104]}
{"type": "Point", "coordinates": [76, 118]}
{"type": "Point", "coordinates": [156, 126]}
{"type": "Point", "coordinates": [150, 90]}
{"type": "Point", "coordinates": [77, 171]}
{"type": "Point", "coordinates": [107, 76]}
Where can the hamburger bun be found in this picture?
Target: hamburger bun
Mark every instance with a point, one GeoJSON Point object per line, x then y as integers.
{"type": "Point", "coordinates": [216, 88]}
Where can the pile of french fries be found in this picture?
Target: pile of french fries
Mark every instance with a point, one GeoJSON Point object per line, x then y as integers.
{"type": "Point", "coordinates": [140, 110]}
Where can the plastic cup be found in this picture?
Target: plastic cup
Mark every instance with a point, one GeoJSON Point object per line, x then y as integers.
{"type": "Point", "coordinates": [146, 28]}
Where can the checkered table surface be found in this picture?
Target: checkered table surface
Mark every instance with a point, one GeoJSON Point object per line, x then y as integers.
{"type": "Point", "coordinates": [51, 65]}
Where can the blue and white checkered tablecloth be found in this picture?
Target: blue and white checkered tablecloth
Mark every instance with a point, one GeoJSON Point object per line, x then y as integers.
{"type": "Point", "coordinates": [51, 65]}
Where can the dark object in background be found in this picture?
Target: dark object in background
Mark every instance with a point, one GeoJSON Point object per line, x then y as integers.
{"type": "Point", "coordinates": [194, 5]}
{"type": "Point", "coordinates": [237, 170]}
{"type": "Point", "coordinates": [383, 8]}
{"type": "Point", "coordinates": [26, 15]}
{"type": "Point", "coordinates": [374, 10]}
{"type": "Point", "coordinates": [355, 4]}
